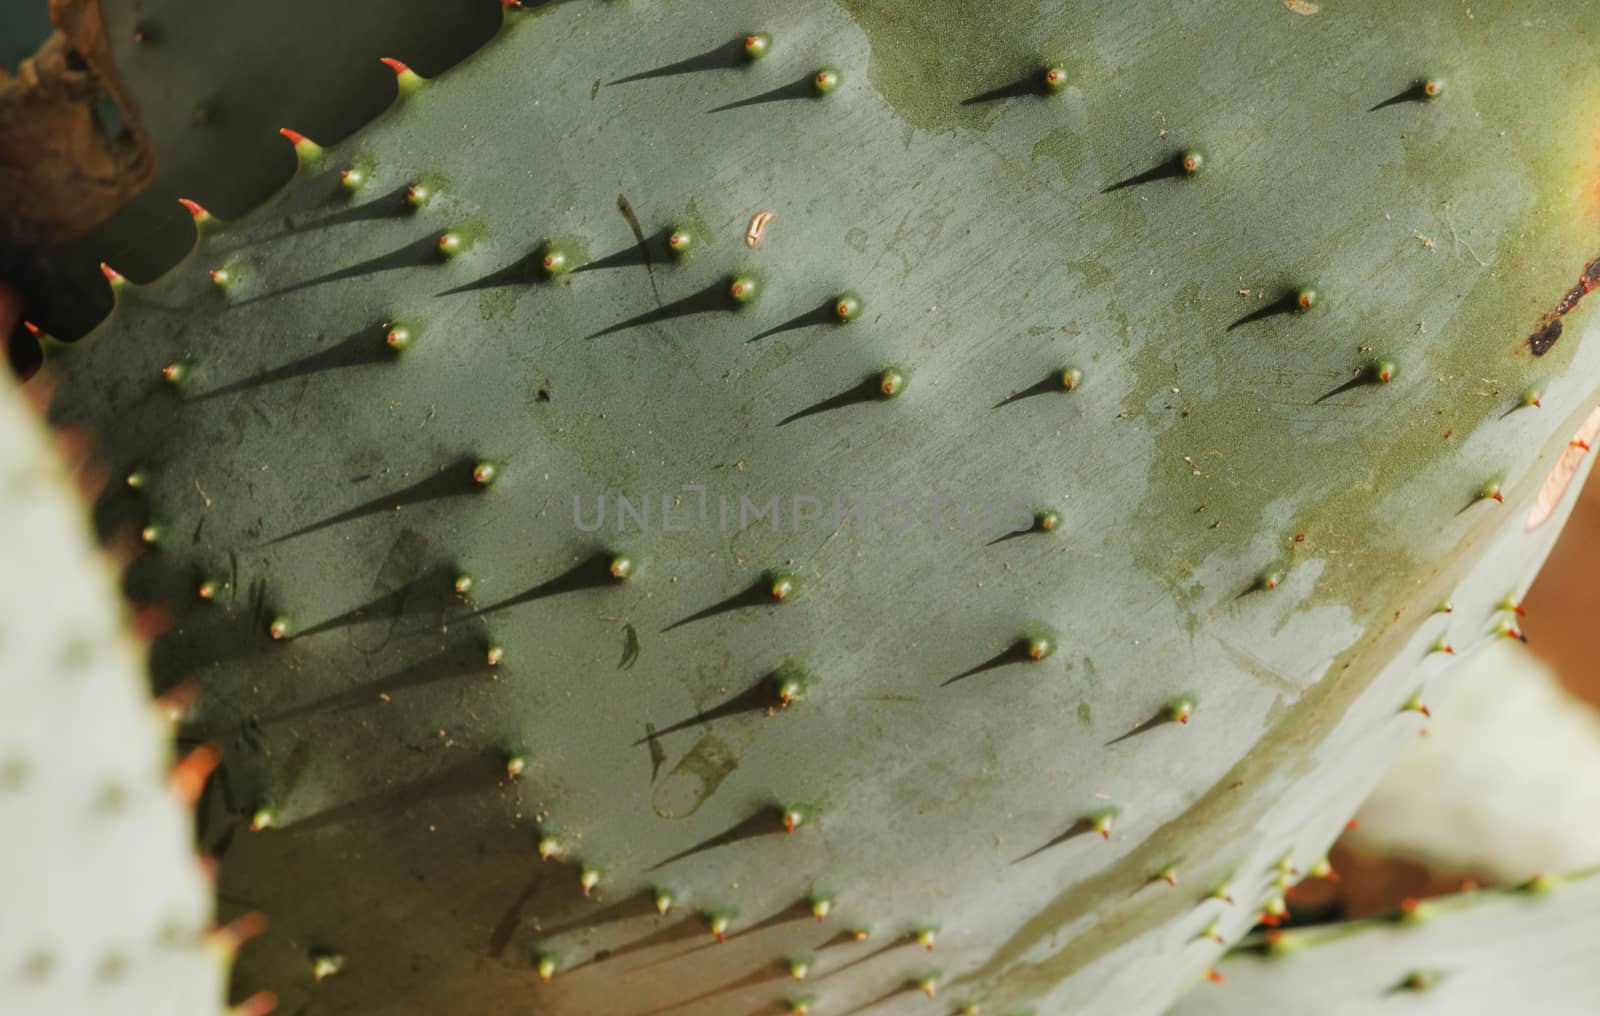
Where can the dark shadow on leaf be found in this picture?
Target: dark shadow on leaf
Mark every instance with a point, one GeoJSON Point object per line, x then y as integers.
{"type": "Point", "coordinates": [708, 300]}
{"type": "Point", "coordinates": [1049, 385]}
{"type": "Point", "coordinates": [1170, 169]}
{"type": "Point", "coordinates": [594, 572]}
{"type": "Point", "coordinates": [348, 209]}
{"type": "Point", "coordinates": [1259, 584]}
{"type": "Point", "coordinates": [789, 914]}
{"type": "Point", "coordinates": [481, 774]}
{"type": "Point", "coordinates": [805, 88]}
{"type": "Point", "coordinates": [799, 910]}
{"type": "Point", "coordinates": [766, 822]}
{"type": "Point", "coordinates": [459, 662]}
{"type": "Point", "coordinates": [757, 698]}
{"type": "Point", "coordinates": [691, 926]}
{"type": "Point", "coordinates": [1475, 502]}
{"type": "Point", "coordinates": [1285, 304]}
{"type": "Point", "coordinates": [820, 316]}
{"type": "Point", "coordinates": [757, 594]}
{"type": "Point", "coordinates": [1036, 528]}
{"type": "Point", "coordinates": [728, 56]}
{"type": "Point", "coordinates": [1367, 377]}
{"type": "Point", "coordinates": [525, 271]}
{"type": "Point", "coordinates": [640, 904]}
{"type": "Point", "coordinates": [432, 592]}
{"type": "Point", "coordinates": [362, 348]}
{"type": "Point", "coordinates": [452, 481]}
{"type": "Point", "coordinates": [767, 972]}
{"type": "Point", "coordinates": [392, 205]}
{"type": "Point", "coordinates": [1017, 652]}
{"type": "Point", "coordinates": [1079, 828]}
{"type": "Point", "coordinates": [413, 255]}
{"type": "Point", "coordinates": [651, 250]}
{"type": "Point", "coordinates": [1160, 719]}
{"type": "Point", "coordinates": [1023, 86]}
{"type": "Point", "coordinates": [845, 937]}
{"type": "Point", "coordinates": [1415, 93]}
{"type": "Point", "coordinates": [866, 391]}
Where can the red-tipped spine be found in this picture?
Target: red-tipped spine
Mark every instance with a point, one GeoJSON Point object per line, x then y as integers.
{"type": "Point", "coordinates": [197, 211]}
{"type": "Point", "coordinates": [304, 148]}
{"type": "Point", "coordinates": [407, 79]}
